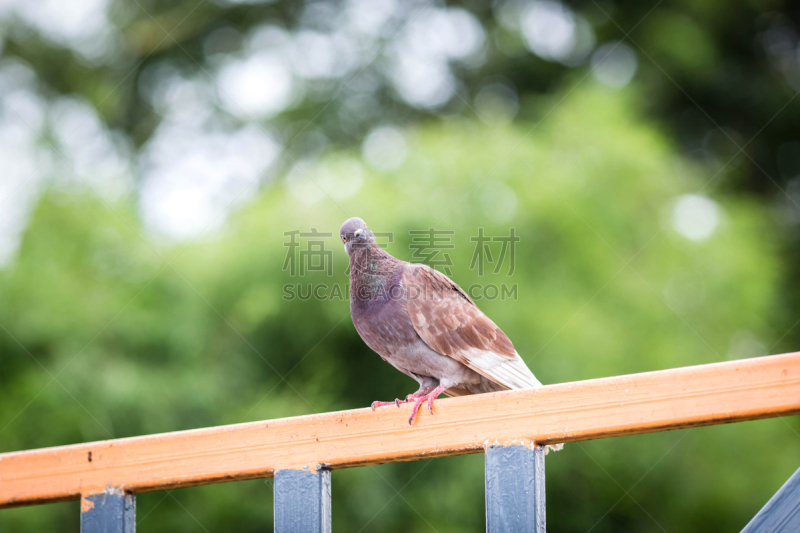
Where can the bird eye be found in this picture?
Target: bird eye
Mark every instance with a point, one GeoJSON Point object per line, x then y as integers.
{"type": "Point", "coordinates": [344, 239]}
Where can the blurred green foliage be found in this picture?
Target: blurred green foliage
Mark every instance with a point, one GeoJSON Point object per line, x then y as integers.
{"type": "Point", "coordinates": [110, 334]}
{"type": "Point", "coordinates": [719, 74]}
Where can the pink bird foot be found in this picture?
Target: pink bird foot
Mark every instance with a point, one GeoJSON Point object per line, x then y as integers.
{"type": "Point", "coordinates": [397, 401]}
{"type": "Point", "coordinates": [422, 398]}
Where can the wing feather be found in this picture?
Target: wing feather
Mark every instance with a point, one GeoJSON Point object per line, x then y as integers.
{"type": "Point", "coordinates": [447, 319]}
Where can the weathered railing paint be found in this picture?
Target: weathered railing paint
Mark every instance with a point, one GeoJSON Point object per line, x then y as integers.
{"type": "Point", "coordinates": [112, 511]}
{"type": "Point", "coordinates": [781, 514]}
{"type": "Point", "coordinates": [717, 393]}
{"type": "Point", "coordinates": [302, 501]}
{"type": "Point", "coordinates": [515, 489]}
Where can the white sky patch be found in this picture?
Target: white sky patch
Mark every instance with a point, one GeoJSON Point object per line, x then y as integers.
{"type": "Point", "coordinates": [94, 156]}
{"type": "Point", "coordinates": [192, 178]}
{"type": "Point", "coordinates": [83, 152]}
{"type": "Point", "coordinates": [549, 30]}
{"type": "Point", "coordinates": [25, 161]}
{"type": "Point", "coordinates": [315, 55]}
{"type": "Point", "coordinates": [174, 97]}
{"type": "Point", "coordinates": [81, 25]}
{"type": "Point", "coordinates": [320, 56]}
{"type": "Point", "coordinates": [695, 217]}
{"type": "Point", "coordinates": [370, 16]}
{"type": "Point", "coordinates": [24, 166]}
{"type": "Point", "coordinates": [384, 149]}
{"type": "Point", "coordinates": [260, 86]}
{"type": "Point", "coordinates": [445, 33]}
{"type": "Point", "coordinates": [553, 32]}
{"type": "Point", "coordinates": [269, 37]}
{"type": "Point", "coordinates": [420, 70]}
{"type": "Point", "coordinates": [470, 36]}
{"type": "Point", "coordinates": [423, 81]}
{"type": "Point", "coordinates": [247, 2]}
{"type": "Point", "coordinates": [614, 64]}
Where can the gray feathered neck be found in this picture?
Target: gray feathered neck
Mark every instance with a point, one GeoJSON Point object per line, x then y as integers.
{"type": "Point", "coordinates": [372, 269]}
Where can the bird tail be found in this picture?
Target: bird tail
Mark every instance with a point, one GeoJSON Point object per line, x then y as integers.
{"type": "Point", "coordinates": [515, 374]}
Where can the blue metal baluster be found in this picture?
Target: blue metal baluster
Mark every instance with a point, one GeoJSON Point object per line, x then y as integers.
{"type": "Point", "coordinates": [515, 493]}
{"type": "Point", "coordinates": [112, 511]}
{"type": "Point", "coordinates": [781, 514]}
{"type": "Point", "coordinates": [302, 501]}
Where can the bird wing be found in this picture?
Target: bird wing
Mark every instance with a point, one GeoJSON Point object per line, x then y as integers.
{"type": "Point", "coordinates": [447, 319]}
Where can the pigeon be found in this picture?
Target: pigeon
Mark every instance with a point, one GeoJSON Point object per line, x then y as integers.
{"type": "Point", "coordinates": [423, 324]}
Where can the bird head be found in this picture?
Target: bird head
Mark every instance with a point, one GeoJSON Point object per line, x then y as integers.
{"type": "Point", "coordinates": [355, 234]}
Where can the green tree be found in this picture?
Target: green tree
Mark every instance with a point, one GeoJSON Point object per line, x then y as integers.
{"type": "Point", "coordinates": [109, 333]}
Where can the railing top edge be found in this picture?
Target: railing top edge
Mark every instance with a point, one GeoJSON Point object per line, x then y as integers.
{"type": "Point", "coordinates": [603, 407]}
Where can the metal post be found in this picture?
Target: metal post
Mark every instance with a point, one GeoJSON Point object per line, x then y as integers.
{"type": "Point", "coordinates": [302, 501]}
{"type": "Point", "coordinates": [781, 514]}
{"type": "Point", "coordinates": [515, 495]}
{"type": "Point", "coordinates": [112, 511]}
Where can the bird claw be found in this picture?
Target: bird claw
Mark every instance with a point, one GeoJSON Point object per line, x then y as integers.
{"type": "Point", "coordinates": [419, 397]}
{"type": "Point", "coordinates": [381, 404]}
